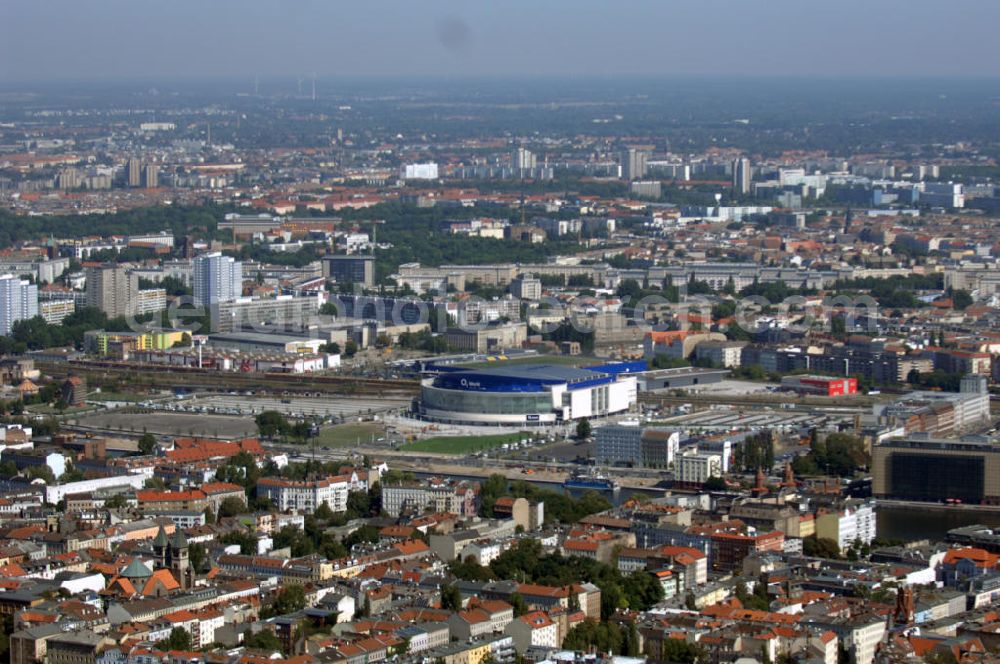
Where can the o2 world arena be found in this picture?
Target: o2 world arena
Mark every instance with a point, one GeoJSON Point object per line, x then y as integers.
{"type": "Point", "coordinates": [528, 394]}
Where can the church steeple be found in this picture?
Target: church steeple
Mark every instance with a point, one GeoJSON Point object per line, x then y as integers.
{"type": "Point", "coordinates": [160, 545]}
{"type": "Point", "coordinates": [179, 540]}
{"type": "Point", "coordinates": [789, 475]}
{"type": "Point", "coordinates": [180, 563]}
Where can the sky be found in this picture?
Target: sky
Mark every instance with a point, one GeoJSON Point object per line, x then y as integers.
{"type": "Point", "coordinates": [53, 40]}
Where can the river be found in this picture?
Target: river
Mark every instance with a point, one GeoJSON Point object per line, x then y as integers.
{"type": "Point", "coordinates": [916, 523]}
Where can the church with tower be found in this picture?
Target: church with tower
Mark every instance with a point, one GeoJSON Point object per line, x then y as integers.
{"type": "Point", "coordinates": [172, 553]}
{"type": "Point", "coordinates": [171, 570]}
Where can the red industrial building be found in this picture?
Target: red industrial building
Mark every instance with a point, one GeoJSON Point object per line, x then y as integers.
{"type": "Point", "coordinates": [820, 385]}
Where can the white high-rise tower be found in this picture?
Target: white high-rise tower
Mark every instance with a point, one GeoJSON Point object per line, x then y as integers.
{"type": "Point", "coordinates": [741, 176]}
{"type": "Point", "coordinates": [18, 301]}
{"type": "Point", "coordinates": [217, 278]}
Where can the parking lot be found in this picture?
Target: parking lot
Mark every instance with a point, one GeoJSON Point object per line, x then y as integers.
{"type": "Point", "coordinates": [291, 406]}
{"type": "Point", "coordinates": [170, 424]}
{"type": "Point", "coordinates": [728, 418]}
{"type": "Point", "coordinates": [731, 387]}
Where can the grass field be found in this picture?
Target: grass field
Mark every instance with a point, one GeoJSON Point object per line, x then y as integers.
{"type": "Point", "coordinates": [461, 444]}
{"type": "Point", "coordinates": [350, 435]}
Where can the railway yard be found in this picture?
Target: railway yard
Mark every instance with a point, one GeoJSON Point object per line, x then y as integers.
{"type": "Point", "coordinates": [357, 415]}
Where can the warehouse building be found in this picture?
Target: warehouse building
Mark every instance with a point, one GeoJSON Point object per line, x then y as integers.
{"type": "Point", "coordinates": [264, 341]}
{"type": "Point", "coordinates": [823, 386]}
{"type": "Point", "coordinates": [680, 378]}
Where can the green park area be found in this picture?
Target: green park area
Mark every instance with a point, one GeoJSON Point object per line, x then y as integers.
{"type": "Point", "coordinates": [350, 435]}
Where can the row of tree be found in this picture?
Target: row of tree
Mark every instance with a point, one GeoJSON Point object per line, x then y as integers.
{"type": "Point", "coordinates": [180, 220]}
{"type": "Point", "coordinates": [559, 508]}
{"type": "Point", "coordinates": [273, 424]}
{"type": "Point", "coordinates": [757, 451]}
{"type": "Point", "coordinates": [35, 333]}
{"type": "Point", "coordinates": [838, 454]}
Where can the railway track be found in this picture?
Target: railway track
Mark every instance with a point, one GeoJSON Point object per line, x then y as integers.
{"type": "Point", "coordinates": [160, 376]}
{"type": "Point", "coordinates": [756, 402]}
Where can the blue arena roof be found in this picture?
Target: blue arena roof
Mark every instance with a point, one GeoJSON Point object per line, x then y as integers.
{"type": "Point", "coordinates": [616, 368]}
{"type": "Point", "coordinates": [521, 378]}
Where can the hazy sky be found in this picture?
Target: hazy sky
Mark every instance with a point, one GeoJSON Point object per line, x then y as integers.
{"type": "Point", "coordinates": [71, 39]}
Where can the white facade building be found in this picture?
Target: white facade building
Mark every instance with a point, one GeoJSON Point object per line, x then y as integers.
{"type": "Point", "coordinates": [150, 301]}
{"type": "Point", "coordinates": [741, 176]}
{"type": "Point", "coordinates": [483, 551]}
{"type": "Point", "coordinates": [523, 159]}
{"type": "Point", "coordinates": [427, 171]}
{"type": "Point", "coordinates": [57, 463]}
{"type": "Point", "coordinates": [57, 492]}
{"type": "Point", "coordinates": [440, 495]}
{"type": "Point", "coordinates": [726, 354]}
{"type": "Point", "coordinates": [354, 242]}
{"type": "Point", "coordinates": [18, 301]}
{"type": "Point", "coordinates": [534, 629]}
{"type": "Point", "coordinates": [526, 287]}
{"type": "Point", "coordinates": [56, 311]}
{"type": "Point", "coordinates": [853, 523]}
{"type": "Point", "coordinates": [157, 126]}
{"type": "Point", "coordinates": [696, 468]}
{"type": "Point", "coordinates": [217, 279]}
{"type": "Point", "coordinates": [289, 495]}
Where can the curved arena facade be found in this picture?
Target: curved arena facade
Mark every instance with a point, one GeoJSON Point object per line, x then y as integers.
{"type": "Point", "coordinates": [528, 395]}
